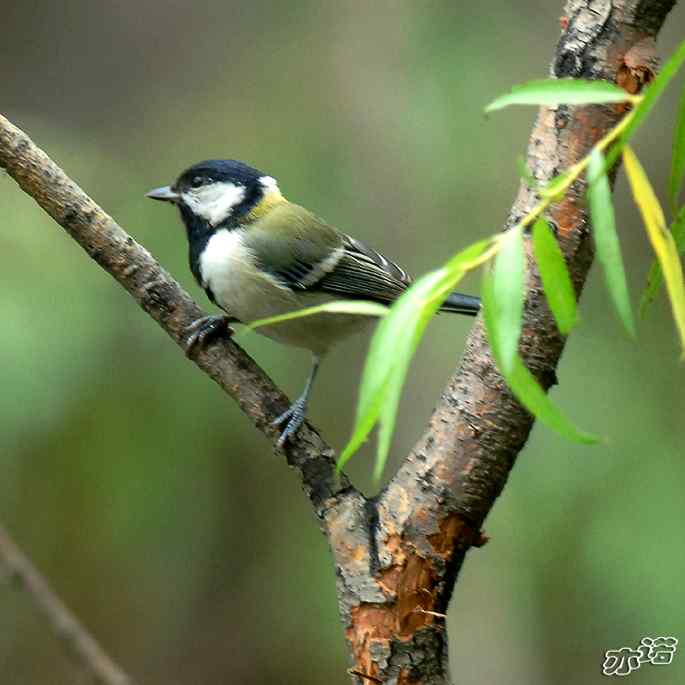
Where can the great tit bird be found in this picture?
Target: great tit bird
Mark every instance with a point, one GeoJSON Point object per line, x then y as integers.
{"type": "Point", "coordinates": [258, 255]}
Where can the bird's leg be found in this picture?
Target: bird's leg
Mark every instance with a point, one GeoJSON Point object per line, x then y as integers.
{"type": "Point", "coordinates": [205, 329]}
{"type": "Point", "coordinates": [295, 414]}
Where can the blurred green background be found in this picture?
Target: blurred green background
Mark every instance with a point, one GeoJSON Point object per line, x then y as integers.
{"type": "Point", "coordinates": [158, 512]}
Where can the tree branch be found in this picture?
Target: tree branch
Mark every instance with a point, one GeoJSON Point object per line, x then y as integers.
{"type": "Point", "coordinates": [78, 642]}
{"type": "Point", "coordinates": [132, 266]}
{"type": "Point", "coordinates": [432, 511]}
{"type": "Point", "coordinates": [397, 556]}
{"type": "Point", "coordinates": [166, 302]}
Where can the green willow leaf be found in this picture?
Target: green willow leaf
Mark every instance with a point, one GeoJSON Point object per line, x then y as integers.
{"type": "Point", "coordinates": [660, 237]}
{"type": "Point", "coordinates": [656, 275]}
{"type": "Point", "coordinates": [525, 173]}
{"type": "Point", "coordinates": [556, 280]}
{"type": "Point", "coordinates": [388, 413]}
{"type": "Point", "coordinates": [358, 307]}
{"type": "Point", "coordinates": [560, 92]}
{"type": "Point", "coordinates": [464, 261]}
{"type": "Point", "coordinates": [649, 98]}
{"type": "Point", "coordinates": [678, 158]}
{"type": "Point", "coordinates": [509, 289]}
{"type": "Point", "coordinates": [556, 187]}
{"type": "Point", "coordinates": [521, 381]}
{"type": "Point", "coordinates": [606, 239]}
{"type": "Point", "coordinates": [392, 348]}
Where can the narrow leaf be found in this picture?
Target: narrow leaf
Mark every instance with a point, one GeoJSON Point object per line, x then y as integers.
{"type": "Point", "coordinates": [521, 381]}
{"type": "Point", "coordinates": [556, 280]}
{"type": "Point", "coordinates": [525, 173]}
{"type": "Point", "coordinates": [606, 239]}
{"type": "Point", "coordinates": [531, 395]}
{"type": "Point", "coordinates": [392, 348]}
{"type": "Point", "coordinates": [454, 271]}
{"type": "Point", "coordinates": [508, 283]}
{"type": "Point", "coordinates": [649, 98]}
{"type": "Point", "coordinates": [388, 414]}
{"type": "Point", "coordinates": [678, 159]}
{"type": "Point", "coordinates": [661, 239]}
{"type": "Point", "coordinates": [656, 276]}
{"type": "Point", "coordinates": [466, 260]}
{"type": "Point", "coordinates": [556, 187]}
{"type": "Point", "coordinates": [358, 307]}
{"type": "Point", "coordinates": [560, 91]}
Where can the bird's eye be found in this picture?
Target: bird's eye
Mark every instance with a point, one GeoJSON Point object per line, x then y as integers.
{"type": "Point", "coordinates": [200, 181]}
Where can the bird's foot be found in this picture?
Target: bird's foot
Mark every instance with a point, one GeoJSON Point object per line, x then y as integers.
{"type": "Point", "coordinates": [294, 416]}
{"type": "Point", "coordinates": [206, 329]}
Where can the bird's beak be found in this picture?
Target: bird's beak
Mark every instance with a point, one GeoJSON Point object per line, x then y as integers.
{"type": "Point", "coordinates": [165, 194]}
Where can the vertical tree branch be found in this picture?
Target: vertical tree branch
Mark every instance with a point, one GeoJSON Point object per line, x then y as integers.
{"type": "Point", "coordinates": [432, 511]}
{"type": "Point", "coordinates": [397, 556]}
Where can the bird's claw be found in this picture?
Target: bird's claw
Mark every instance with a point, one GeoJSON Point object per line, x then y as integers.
{"type": "Point", "coordinates": [204, 330]}
{"type": "Point", "coordinates": [294, 415]}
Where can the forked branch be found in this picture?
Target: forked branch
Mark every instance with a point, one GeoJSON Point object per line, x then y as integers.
{"type": "Point", "coordinates": [397, 556]}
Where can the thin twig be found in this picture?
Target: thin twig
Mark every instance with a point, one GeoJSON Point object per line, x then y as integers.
{"type": "Point", "coordinates": [437, 614]}
{"type": "Point", "coordinates": [79, 643]}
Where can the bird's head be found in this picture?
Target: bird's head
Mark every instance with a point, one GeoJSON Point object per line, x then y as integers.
{"type": "Point", "coordinates": [221, 193]}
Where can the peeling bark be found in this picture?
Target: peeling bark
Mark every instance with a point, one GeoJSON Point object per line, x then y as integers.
{"type": "Point", "coordinates": [397, 556]}
{"type": "Point", "coordinates": [432, 511]}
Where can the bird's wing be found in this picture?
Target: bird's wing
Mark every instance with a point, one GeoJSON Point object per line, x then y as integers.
{"type": "Point", "coordinates": [318, 258]}
{"type": "Point", "coordinates": [364, 273]}
{"type": "Point", "coordinates": [294, 246]}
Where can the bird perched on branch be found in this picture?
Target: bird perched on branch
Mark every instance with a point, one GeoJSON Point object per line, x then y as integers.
{"type": "Point", "coordinates": [258, 255]}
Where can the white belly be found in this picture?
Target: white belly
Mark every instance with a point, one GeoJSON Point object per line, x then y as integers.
{"type": "Point", "coordinates": [228, 268]}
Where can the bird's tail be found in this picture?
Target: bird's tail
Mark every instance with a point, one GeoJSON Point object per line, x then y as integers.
{"type": "Point", "coordinates": [461, 304]}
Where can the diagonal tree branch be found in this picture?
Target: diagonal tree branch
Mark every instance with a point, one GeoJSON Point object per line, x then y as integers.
{"type": "Point", "coordinates": [397, 556]}
{"type": "Point", "coordinates": [78, 642]}
{"type": "Point", "coordinates": [166, 302]}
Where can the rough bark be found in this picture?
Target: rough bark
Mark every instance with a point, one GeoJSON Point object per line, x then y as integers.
{"type": "Point", "coordinates": [397, 556]}
{"type": "Point", "coordinates": [430, 514]}
{"type": "Point", "coordinates": [165, 301]}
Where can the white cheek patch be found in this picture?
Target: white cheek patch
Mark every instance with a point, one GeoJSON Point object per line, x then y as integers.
{"type": "Point", "coordinates": [214, 202]}
{"type": "Point", "coordinates": [269, 184]}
